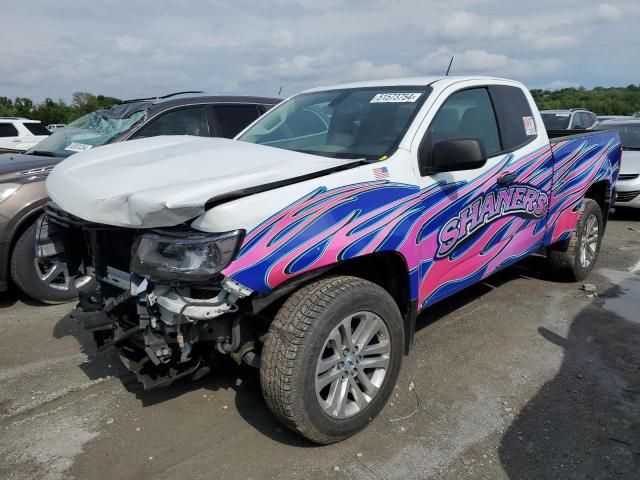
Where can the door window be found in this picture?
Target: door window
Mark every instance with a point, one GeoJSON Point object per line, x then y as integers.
{"type": "Point", "coordinates": [467, 114]}
{"type": "Point", "coordinates": [586, 118]}
{"type": "Point", "coordinates": [8, 130]}
{"type": "Point", "coordinates": [579, 121]}
{"type": "Point", "coordinates": [517, 126]}
{"type": "Point", "coordinates": [232, 119]}
{"type": "Point", "coordinates": [37, 128]}
{"type": "Point", "coordinates": [186, 121]}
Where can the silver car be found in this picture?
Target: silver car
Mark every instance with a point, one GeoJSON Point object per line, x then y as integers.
{"type": "Point", "coordinates": [628, 186]}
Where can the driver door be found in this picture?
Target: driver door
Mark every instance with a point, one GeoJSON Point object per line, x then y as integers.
{"type": "Point", "coordinates": [477, 221]}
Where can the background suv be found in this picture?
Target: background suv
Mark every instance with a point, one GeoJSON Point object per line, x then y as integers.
{"type": "Point", "coordinates": [20, 134]}
{"type": "Point", "coordinates": [574, 119]}
{"type": "Point", "coordinates": [22, 176]}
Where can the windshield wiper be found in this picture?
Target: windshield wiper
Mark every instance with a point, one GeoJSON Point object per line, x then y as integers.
{"type": "Point", "coordinates": [43, 153]}
{"type": "Point", "coordinates": [340, 155]}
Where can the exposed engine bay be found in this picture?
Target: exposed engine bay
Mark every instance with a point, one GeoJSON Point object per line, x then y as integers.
{"type": "Point", "coordinates": [158, 296]}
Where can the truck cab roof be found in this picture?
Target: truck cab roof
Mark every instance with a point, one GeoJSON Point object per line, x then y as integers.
{"type": "Point", "coordinates": [410, 81]}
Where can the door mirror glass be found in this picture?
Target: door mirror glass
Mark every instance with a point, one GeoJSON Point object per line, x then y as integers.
{"type": "Point", "coordinates": [461, 154]}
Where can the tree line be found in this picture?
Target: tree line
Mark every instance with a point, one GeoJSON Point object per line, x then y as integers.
{"type": "Point", "coordinates": [600, 100]}
{"type": "Point", "coordinates": [50, 111]}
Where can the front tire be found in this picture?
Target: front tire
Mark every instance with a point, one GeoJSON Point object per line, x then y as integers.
{"type": "Point", "coordinates": [44, 281]}
{"type": "Point", "coordinates": [332, 357]}
{"type": "Point", "coordinates": [577, 261]}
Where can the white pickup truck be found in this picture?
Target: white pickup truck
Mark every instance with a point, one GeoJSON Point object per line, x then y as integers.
{"type": "Point", "coordinates": [307, 246]}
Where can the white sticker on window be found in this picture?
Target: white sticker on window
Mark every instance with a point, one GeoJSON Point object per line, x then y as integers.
{"type": "Point", "coordinates": [78, 147]}
{"type": "Point", "coordinates": [408, 97]}
{"type": "Point", "coordinates": [529, 125]}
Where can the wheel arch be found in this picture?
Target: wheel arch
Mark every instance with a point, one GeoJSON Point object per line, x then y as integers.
{"type": "Point", "coordinates": [601, 193]}
{"type": "Point", "coordinates": [387, 269]}
{"type": "Point", "coordinates": [25, 220]}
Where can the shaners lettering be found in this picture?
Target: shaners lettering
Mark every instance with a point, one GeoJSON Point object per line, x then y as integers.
{"type": "Point", "coordinates": [488, 207]}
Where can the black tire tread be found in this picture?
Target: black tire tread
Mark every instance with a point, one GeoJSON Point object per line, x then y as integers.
{"type": "Point", "coordinates": [19, 264]}
{"type": "Point", "coordinates": [285, 338]}
{"type": "Point", "coordinates": [562, 263]}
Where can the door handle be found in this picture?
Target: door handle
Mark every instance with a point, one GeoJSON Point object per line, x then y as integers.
{"type": "Point", "coordinates": [507, 178]}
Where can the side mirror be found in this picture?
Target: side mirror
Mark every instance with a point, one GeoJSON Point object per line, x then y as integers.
{"type": "Point", "coordinates": [453, 155]}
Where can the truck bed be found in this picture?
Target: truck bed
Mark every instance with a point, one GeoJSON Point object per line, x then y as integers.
{"type": "Point", "coordinates": [564, 135]}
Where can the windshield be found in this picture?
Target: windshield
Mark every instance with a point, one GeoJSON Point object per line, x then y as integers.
{"type": "Point", "coordinates": [351, 123]}
{"type": "Point", "coordinates": [556, 121]}
{"type": "Point", "coordinates": [92, 130]}
{"type": "Point", "coordinates": [629, 133]}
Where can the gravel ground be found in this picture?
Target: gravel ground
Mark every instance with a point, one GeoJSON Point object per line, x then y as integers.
{"type": "Point", "coordinates": [516, 378]}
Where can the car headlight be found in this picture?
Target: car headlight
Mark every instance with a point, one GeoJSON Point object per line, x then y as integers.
{"type": "Point", "coordinates": [171, 257]}
{"type": "Point", "coordinates": [8, 189]}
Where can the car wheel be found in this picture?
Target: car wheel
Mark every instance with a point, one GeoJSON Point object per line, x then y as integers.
{"type": "Point", "coordinates": [331, 357]}
{"type": "Point", "coordinates": [43, 280]}
{"type": "Point", "coordinates": [577, 261]}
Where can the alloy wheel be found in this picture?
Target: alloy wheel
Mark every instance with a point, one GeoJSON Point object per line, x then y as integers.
{"type": "Point", "coordinates": [589, 242]}
{"type": "Point", "coordinates": [352, 365]}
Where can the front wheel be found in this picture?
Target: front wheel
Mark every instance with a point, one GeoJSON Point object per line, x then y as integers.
{"type": "Point", "coordinates": [45, 280]}
{"type": "Point", "coordinates": [332, 357]}
{"type": "Point", "coordinates": [577, 261]}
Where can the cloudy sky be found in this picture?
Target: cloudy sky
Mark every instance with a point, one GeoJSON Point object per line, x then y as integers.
{"type": "Point", "coordinates": [139, 48]}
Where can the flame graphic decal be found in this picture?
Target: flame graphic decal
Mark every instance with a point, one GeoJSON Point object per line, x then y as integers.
{"type": "Point", "coordinates": [328, 226]}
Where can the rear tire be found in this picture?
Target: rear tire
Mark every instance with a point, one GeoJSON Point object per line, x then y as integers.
{"type": "Point", "coordinates": [30, 276]}
{"type": "Point", "coordinates": [327, 398]}
{"type": "Point", "coordinates": [577, 261]}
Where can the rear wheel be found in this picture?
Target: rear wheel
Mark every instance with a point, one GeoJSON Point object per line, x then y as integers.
{"type": "Point", "coordinates": [577, 261]}
{"type": "Point", "coordinates": [332, 357]}
{"type": "Point", "coordinates": [45, 280]}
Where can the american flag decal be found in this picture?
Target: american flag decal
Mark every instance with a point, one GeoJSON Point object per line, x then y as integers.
{"type": "Point", "coordinates": [381, 173]}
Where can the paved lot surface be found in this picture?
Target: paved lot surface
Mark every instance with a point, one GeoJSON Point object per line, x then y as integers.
{"type": "Point", "coordinates": [519, 378]}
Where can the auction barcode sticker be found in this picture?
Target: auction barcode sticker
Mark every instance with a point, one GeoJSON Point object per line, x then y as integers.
{"type": "Point", "coordinates": [529, 126]}
{"type": "Point", "coordinates": [408, 97]}
{"type": "Point", "coordinates": [78, 147]}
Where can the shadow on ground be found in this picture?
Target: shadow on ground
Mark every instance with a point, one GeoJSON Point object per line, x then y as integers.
{"type": "Point", "coordinates": [585, 423]}
{"type": "Point", "coordinates": [13, 295]}
{"type": "Point", "coordinates": [532, 267]}
{"type": "Point", "coordinates": [622, 213]}
{"type": "Point", "coordinates": [244, 380]}
{"type": "Point", "coordinates": [226, 375]}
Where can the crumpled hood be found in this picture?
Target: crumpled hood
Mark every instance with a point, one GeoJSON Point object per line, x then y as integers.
{"type": "Point", "coordinates": [164, 181]}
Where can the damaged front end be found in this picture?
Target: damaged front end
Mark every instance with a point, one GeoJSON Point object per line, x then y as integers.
{"type": "Point", "coordinates": [159, 297]}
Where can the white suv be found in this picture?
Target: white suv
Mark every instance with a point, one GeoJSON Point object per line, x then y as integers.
{"type": "Point", "coordinates": [20, 134]}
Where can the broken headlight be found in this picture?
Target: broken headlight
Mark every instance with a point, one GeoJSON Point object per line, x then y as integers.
{"type": "Point", "coordinates": [170, 257]}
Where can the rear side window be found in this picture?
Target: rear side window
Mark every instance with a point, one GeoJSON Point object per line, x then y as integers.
{"type": "Point", "coordinates": [186, 121]}
{"type": "Point", "coordinates": [467, 114]}
{"type": "Point", "coordinates": [579, 121]}
{"type": "Point", "coordinates": [37, 128]}
{"type": "Point", "coordinates": [587, 119]}
{"type": "Point", "coordinates": [515, 118]}
{"type": "Point", "coordinates": [8, 130]}
{"type": "Point", "coordinates": [232, 119]}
